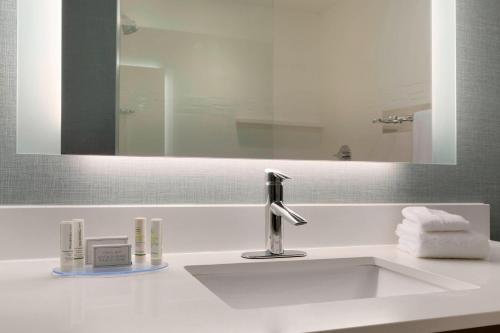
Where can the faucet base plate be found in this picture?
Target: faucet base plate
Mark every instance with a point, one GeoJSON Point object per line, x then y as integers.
{"type": "Point", "coordinates": [269, 255]}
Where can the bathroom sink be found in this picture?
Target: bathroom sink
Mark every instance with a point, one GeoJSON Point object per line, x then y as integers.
{"type": "Point", "coordinates": [285, 283]}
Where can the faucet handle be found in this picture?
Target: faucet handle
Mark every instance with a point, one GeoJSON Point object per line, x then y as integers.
{"type": "Point", "coordinates": [275, 176]}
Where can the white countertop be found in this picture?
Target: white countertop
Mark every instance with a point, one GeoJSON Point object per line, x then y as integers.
{"type": "Point", "coordinates": [174, 301]}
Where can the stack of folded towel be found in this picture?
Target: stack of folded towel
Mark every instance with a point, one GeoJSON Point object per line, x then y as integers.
{"type": "Point", "coordinates": [429, 233]}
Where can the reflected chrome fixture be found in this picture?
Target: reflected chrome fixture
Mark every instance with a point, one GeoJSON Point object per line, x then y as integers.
{"type": "Point", "coordinates": [344, 154]}
{"type": "Point", "coordinates": [275, 211]}
{"type": "Point", "coordinates": [395, 120]}
{"type": "Point", "coordinates": [128, 25]}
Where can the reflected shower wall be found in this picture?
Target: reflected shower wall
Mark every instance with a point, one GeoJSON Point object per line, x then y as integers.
{"type": "Point", "coordinates": [219, 58]}
{"type": "Point", "coordinates": [141, 127]}
{"type": "Point", "coordinates": [284, 79]}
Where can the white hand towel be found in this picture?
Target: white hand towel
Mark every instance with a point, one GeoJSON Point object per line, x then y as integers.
{"type": "Point", "coordinates": [435, 220]}
{"type": "Point", "coordinates": [417, 228]}
{"type": "Point", "coordinates": [452, 244]}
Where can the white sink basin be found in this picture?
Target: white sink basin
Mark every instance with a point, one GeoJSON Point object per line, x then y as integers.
{"type": "Point", "coordinates": [283, 283]}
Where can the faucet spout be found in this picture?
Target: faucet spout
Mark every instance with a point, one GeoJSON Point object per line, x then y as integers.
{"type": "Point", "coordinates": [280, 209]}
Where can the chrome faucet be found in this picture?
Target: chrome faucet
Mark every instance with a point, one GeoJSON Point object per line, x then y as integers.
{"type": "Point", "coordinates": [276, 210]}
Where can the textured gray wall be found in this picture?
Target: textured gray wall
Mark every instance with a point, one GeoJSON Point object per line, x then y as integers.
{"type": "Point", "coordinates": [117, 180]}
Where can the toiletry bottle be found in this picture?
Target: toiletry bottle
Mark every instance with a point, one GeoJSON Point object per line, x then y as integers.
{"type": "Point", "coordinates": [156, 241]}
{"type": "Point", "coordinates": [140, 239]}
{"type": "Point", "coordinates": [78, 241]}
{"type": "Point", "coordinates": [66, 245]}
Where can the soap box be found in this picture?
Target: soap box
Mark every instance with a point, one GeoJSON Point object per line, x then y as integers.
{"type": "Point", "coordinates": [112, 255]}
{"type": "Point", "coordinates": [90, 242]}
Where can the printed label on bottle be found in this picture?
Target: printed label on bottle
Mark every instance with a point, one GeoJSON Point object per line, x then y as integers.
{"type": "Point", "coordinates": [140, 244]}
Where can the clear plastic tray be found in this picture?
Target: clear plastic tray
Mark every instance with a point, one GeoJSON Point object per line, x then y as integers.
{"type": "Point", "coordinates": [111, 270]}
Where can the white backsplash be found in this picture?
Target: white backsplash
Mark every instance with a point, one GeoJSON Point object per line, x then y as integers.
{"type": "Point", "coordinates": [33, 231]}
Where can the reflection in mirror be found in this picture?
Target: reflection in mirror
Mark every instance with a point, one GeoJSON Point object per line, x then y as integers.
{"type": "Point", "coordinates": [194, 68]}
{"type": "Point", "coordinates": [365, 80]}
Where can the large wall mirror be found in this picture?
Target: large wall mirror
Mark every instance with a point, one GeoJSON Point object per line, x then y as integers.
{"type": "Point", "coordinates": [338, 80]}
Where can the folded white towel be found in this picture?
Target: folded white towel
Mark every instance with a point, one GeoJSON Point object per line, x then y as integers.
{"type": "Point", "coordinates": [413, 227]}
{"type": "Point", "coordinates": [452, 244]}
{"type": "Point", "coordinates": [417, 228]}
{"type": "Point", "coordinates": [435, 220]}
